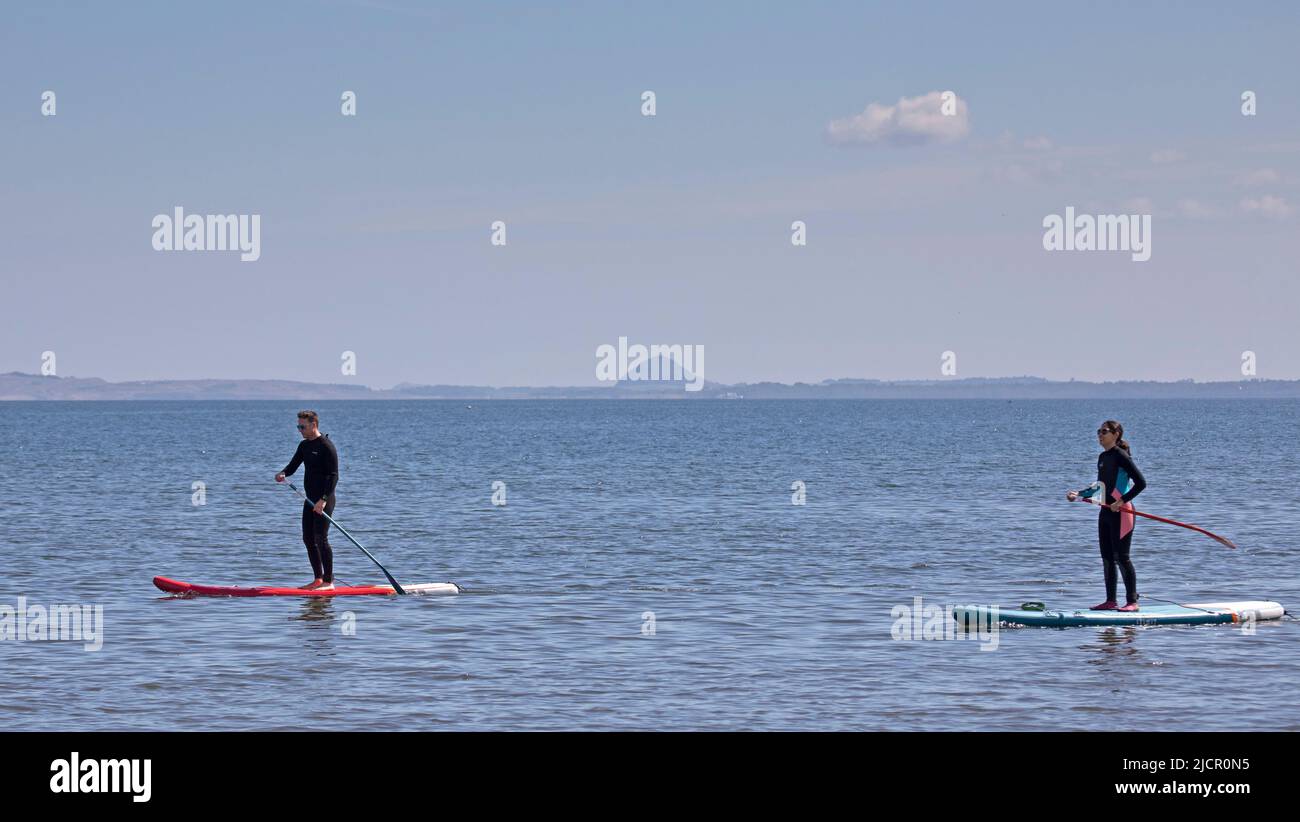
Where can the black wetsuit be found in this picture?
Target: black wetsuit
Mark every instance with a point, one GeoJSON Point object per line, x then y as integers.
{"type": "Point", "coordinates": [322, 463]}
{"type": "Point", "coordinates": [1123, 481]}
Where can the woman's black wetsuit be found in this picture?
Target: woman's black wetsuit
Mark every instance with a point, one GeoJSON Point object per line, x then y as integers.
{"type": "Point", "coordinates": [1123, 481]}
{"type": "Point", "coordinates": [322, 463]}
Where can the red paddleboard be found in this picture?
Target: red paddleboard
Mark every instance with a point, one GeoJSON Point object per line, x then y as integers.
{"type": "Point", "coordinates": [174, 586]}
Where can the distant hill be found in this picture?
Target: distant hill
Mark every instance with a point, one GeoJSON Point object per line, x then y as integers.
{"type": "Point", "coordinates": [19, 386]}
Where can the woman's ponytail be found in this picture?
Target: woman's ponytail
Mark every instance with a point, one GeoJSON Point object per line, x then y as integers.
{"type": "Point", "coordinates": [1118, 430]}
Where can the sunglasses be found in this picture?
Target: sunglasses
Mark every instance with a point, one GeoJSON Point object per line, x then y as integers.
{"type": "Point", "coordinates": [302, 427]}
{"type": "Point", "coordinates": [1100, 431]}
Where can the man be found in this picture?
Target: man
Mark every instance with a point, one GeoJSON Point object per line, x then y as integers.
{"type": "Point", "coordinates": [322, 461]}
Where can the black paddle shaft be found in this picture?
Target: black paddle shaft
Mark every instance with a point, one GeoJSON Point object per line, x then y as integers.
{"type": "Point", "coordinates": [396, 587]}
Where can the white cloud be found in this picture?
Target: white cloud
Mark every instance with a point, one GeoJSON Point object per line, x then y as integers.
{"type": "Point", "coordinates": [1038, 144]}
{"type": "Point", "coordinates": [1285, 147]}
{"type": "Point", "coordinates": [1259, 177]}
{"type": "Point", "coordinates": [912, 121]}
{"type": "Point", "coordinates": [1139, 205]}
{"type": "Point", "coordinates": [1275, 208]}
{"type": "Point", "coordinates": [1167, 155]}
{"type": "Point", "coordinates": [1196, 210]}
{"type": "Point", "coordinates": [1031, 171]}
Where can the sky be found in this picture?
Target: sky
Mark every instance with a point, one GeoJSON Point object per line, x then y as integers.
{"type": "Point", "coordinates": [924, 231]}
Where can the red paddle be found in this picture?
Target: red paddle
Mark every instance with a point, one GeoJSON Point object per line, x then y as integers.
{"type": "Point", "coordinates": [1129, 507]}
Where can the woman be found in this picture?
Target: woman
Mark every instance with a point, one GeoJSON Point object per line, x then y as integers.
{"type": "Point", "coordinates": [1122, 481]}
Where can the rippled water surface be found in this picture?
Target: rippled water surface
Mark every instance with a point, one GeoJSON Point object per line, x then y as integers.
{"type": "Point", "coordinates": [619, 515]}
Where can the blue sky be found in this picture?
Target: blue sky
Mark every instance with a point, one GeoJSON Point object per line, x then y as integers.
{"type": "Point", "coordinates": [669, 229]}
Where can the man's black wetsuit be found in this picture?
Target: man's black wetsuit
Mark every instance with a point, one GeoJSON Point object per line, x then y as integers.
{"type": "Point", "coordinates": [1123, 481]}
{"type": "Point", "coordinates": [322, 463]}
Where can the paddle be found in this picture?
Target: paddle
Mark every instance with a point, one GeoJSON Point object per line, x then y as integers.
{"type": "Point", "coordinates": [396, 587]}
{"type": "Point", "coordinates": [1129, 507]}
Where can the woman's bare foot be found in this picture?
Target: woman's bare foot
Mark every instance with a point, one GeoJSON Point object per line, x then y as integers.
{"type": "Point", "coordinates": [313, 585]}
{"type": "Point", "coordinates": [325, 586]}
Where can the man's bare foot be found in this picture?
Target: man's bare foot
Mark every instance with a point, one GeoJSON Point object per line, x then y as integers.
{"type": "Point", "coordinates": [313, 585]}
{"type": "Point", "coordinates": [325, 586]}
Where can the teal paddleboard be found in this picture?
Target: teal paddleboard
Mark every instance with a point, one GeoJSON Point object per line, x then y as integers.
{"type": "Point", "coordinates": [1157, 614]}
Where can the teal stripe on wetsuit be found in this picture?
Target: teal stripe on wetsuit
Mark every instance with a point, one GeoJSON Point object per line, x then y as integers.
{"type": "Point", "coordinates": [1122, 482]}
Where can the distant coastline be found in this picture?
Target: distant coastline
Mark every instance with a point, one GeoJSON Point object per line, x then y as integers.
{"type": "Point", "coordinates": [17, 386]}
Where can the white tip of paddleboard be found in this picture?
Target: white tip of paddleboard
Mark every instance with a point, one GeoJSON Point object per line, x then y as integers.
{"type": "Point", "coordinates": [1261, 609]}
{"type": "Point", "coordinates": [432, 588]}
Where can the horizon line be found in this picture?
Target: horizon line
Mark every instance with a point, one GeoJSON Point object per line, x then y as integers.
{"type": "Point", "coordinates": [406, 384]}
